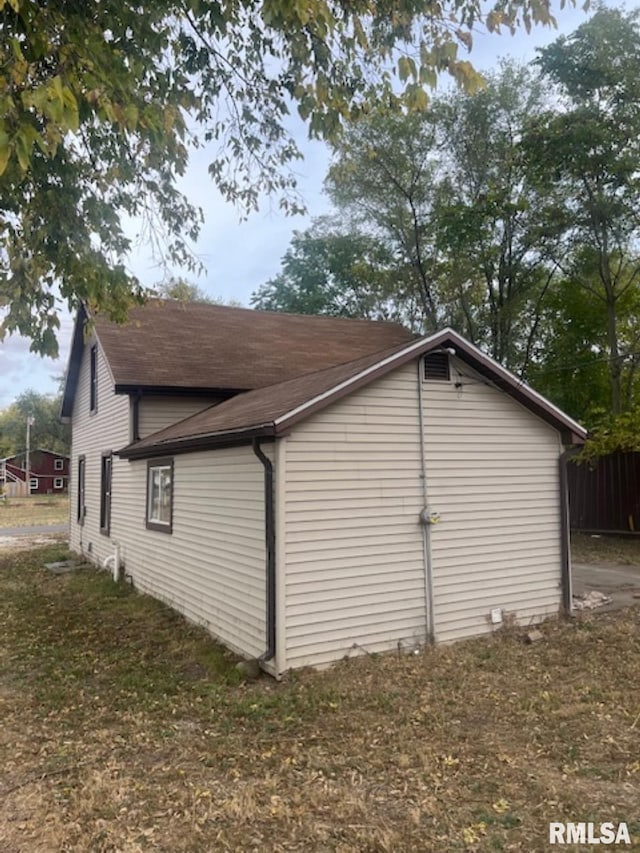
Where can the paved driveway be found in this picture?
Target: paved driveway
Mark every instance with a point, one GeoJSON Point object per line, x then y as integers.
{"type": "Point", "coordinates": [34, 530]}
{"type": "Point", "coordinates": [22, 538]}
{"type": "Point", "coordinates": [620, 583]}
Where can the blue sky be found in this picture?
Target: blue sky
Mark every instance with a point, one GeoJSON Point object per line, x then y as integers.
{"type": "Point", "coordinates": [241, 255]}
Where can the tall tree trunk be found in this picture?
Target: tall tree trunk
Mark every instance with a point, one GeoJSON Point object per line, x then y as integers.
{"type": "Point", "coordinates": [615, 367]}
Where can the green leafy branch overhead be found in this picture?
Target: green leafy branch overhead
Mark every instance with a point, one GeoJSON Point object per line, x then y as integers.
{"type": "Point", "coordinates": [101, 103]}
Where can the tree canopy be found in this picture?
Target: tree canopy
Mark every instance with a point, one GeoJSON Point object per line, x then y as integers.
{"type": "Point", "coordinates": [47, 431]}
{"type": "Point", "coordinates": [100, 104]}
{"type": "Point", "coordinates": [511, 214]}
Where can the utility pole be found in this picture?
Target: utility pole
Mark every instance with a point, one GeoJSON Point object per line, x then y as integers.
{"type": "Point", "coordinates": [30, 423]}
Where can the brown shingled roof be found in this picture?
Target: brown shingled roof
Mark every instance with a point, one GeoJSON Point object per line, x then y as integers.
{"type": "Point", "coordinates": [258, 409]}
{"type": "Point", "coordinates": [272, 410]}
{"type": "Point", "coordinates": [193, 345]}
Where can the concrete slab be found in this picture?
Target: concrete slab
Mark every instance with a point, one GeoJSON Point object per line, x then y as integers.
{"type": "Point", "coordinates": [620, 583]}
{"type": "Point", "coordinates": [63, 567]}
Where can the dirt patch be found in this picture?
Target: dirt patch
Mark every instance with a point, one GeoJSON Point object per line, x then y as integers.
{"type": "Point", "coordinates": [28, 543]}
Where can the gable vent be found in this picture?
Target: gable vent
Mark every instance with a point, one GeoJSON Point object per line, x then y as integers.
{"type": "Point", "coordinates": [436, 366]}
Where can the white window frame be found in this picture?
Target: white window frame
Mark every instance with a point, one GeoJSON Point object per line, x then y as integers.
{"type": "Point", "coordinates": [33, 484]}
{"type": "Point", "coordinates": [155, 522]}
{"type": "Point", "coordinates": [58, 483]}
{"type": "Point", "coordinates": [58, 465]}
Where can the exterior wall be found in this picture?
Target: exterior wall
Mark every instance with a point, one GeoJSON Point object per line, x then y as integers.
{"type": "Point", "coordinates": [353, 545]}
{"type": "Point", "coordinates": [156, 413]}
{"type": "Point", "coordinates": [493, 477]}
{"type": "Point", "coordinates": [94, 433]}
{"type": "Point", "coordinates": [354, 558]}
{"type": "Point", "coordinates": [212, 566]}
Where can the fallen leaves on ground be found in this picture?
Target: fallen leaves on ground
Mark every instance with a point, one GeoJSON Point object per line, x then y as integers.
{"type": "Point", "coordinates": [123, 728]}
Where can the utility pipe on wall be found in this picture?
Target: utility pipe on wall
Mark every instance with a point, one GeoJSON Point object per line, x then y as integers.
{"type": "Point", "coordinates": [425, 519]}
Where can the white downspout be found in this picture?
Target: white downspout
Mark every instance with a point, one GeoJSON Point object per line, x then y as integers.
{"type": "Point", "coordinates": [426, 520]}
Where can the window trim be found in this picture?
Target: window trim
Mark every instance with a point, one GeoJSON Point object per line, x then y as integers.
{"type": "Point", "coordinates": [58, 464]}
{"type": "Point", "coordinates": [160, 526]}
{"type": "Point", "coordinates": [106, 493]}
{"type": "Point", "coordinates": [58, 483]}
{"type": "Point", "coordinates": [93, 378]}
{"type": "Point", "coordinates": [33, 488]}
{"type": "Point", "coordinates": [81, 497]}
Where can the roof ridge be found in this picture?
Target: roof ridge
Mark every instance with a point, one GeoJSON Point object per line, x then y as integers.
{"type": "Point", "coordinates": [186, 303]}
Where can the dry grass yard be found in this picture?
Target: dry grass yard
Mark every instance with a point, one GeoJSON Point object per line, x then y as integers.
{"type": "Point", "coordinates": [623, 550]}
{"type": "Point", "coordinates": [124, 729]}
{"type": "Point", "coordinates": [40, 509]}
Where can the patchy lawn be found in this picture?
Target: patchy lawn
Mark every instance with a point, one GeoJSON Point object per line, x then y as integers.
{"type": "Point", "coordinates": [40, 509]}
{"type": "Point", "coordinates": [124, 729]}
{"type": "Point", "coordinates": [623, 550]}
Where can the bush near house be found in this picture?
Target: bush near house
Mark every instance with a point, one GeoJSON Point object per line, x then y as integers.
{"type": "Point", "coordinates": [124, 728]}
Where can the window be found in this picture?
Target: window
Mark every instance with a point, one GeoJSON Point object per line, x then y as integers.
{"type": "Point", "coordinates": [160, 494]}
{"type": "Point", "coordinates": [33, 484]}
{"type": "Point", "coordinates": [436, 366]}
{"type": "Point", "coordinates": [82, 510]}
{"type": "Point", "coordinates": [93, 379]}
{"type": "Point", "coordinates": [105, 493]}
{"type": "Point", "coordinates": [58, 464]}
{"type": "Point", "coordinates": [58, 483]}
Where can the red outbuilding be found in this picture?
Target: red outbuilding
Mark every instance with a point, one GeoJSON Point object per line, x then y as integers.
{"type": "Point", "coordinates": [48, 473]}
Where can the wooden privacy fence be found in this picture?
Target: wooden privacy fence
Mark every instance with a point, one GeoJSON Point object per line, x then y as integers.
{"type": "Point", "coordinates": [604, 495]}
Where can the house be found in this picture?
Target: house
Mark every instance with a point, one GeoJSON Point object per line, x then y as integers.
{"type": "Point", "coordinates": [48, 473]}
{"type": "Point", "coordinates": [310, 487]}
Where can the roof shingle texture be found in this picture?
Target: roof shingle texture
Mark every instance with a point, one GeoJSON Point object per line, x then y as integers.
{"type": "Point", "coordinates": [194, 345]}
{"type": "Point", "coordinates": [263, 405]}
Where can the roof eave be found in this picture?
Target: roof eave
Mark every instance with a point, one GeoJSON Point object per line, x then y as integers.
{"type": "Point", "coordinates": [571, 431]}
{"type": "Point", "coordinates": [176, 390]}
{"type": "Point", "coordinates": [72, 373]}
{"type": "Point", "coordinates": [192, 444]}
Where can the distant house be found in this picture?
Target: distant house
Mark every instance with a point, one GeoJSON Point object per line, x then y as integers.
{"type": "Point", "coordinates": [48, 473]}
{"type": "Point", "coordinates": [310, 487]}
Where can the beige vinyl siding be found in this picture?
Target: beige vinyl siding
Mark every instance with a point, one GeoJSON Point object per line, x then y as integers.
{"type": "Point", "coordinates": [156, 413]}
{"type": "Point", "coordinates": [354, 560]}
{"type": "Point", "coordinates": [493, 478]}
{"type": "Point", "coordinates": [211, 567]}
{"type": "Point", "coordinates": [94, 433]}
{"type": "Point", "coordinates": [354, 569]}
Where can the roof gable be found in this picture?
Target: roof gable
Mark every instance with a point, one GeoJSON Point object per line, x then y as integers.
{"type": "Point", "coordinates": [273, 410]}
{"type": "Point", "coordinates": [190, 346]}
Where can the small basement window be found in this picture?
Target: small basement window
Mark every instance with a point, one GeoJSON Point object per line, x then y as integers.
{"type": "Point", "coordinates": [160, 494]}
{"type": "Point", "coordinates": [436, 366]}
{"type": "Point", "coordinates": [57, 483]}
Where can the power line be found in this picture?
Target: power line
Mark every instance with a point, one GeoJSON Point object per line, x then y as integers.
{"type": "Point", "coordinates": [583, 364]}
